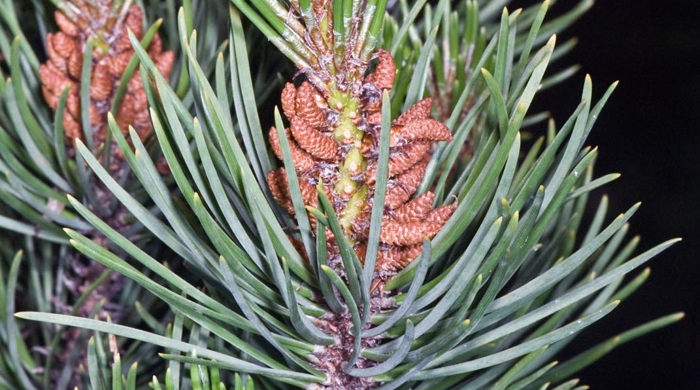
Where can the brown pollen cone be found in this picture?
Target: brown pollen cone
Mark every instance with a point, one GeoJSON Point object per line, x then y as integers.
{"type": "Point", "coordinates": [322, 152]}
{"type": "Point", "coordinates": [99, 21]}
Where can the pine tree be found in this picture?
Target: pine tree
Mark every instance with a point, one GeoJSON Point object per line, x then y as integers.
{"type": "Point", "coordinates": [341, 194]}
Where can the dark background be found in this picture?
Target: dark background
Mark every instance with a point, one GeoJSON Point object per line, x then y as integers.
{"type": "Point", "coordinates": [648, 131]}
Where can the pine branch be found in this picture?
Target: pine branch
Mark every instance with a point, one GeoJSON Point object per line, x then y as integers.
{"type": "Point", "coordinates": [397, 240]}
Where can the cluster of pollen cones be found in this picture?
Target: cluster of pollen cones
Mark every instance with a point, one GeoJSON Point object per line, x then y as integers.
{"type": "Point", "coordinates": [325, 152]}
{"type": "Point", "coordinates": [98, 21]}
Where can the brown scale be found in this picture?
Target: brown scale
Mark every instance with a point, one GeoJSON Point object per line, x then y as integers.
{"type": "Point", "coordinates": [395, 258]}
{"type": "Point", "coordinates": [407, 156]}
{"type": "Point", "coordinates": [317, 155]}
{"type": "Point", "coordinates": [412, 233]}
{"type": "Point", "coordinates": [99, 21]}
{"type": "Point", "coordinates": [442, 213]}
{"type": "Point", "coordinates": [303, 161]}
{"type": "Point", "coordinates": [416, 209]}
{"type": "Point", "coordinates": [288, 100]}
{"type": "Point", "coordinates": [277, 181]}
{"type": "Point", "coordinates": [401, 159]}
{"type": "Point", "coordinates": [408, 225]}
{"type": "Point", "coordinates": [384, 73]}
{"type": "Point", "coordinates": [310, 105]}
{"type": "Point", "coordinates": [419, 130]}
{"type": "Point", "coordinates": [317, 144]}
{"type": "Point", "coordinates": [420, 110]}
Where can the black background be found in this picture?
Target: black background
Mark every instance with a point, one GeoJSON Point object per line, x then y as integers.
{"type": "Point", "coordinates": [649, 132]}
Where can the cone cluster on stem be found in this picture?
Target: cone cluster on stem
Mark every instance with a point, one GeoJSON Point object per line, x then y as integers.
{"type": "Point", "coordinates": [105, 23]}
{"type": "Point", "coordinates": [334, 141]}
